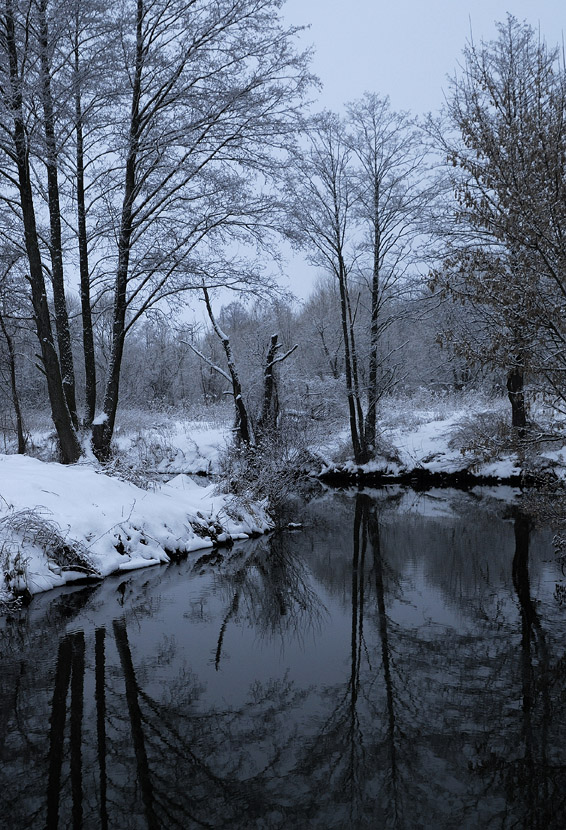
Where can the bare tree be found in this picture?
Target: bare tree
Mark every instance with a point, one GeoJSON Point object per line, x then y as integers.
{"type": "Point", "coordinates": [152, 137]}
{"type": "Point", "coordinates": [504, 140]}
{"type": "Point", "coordinates": [90, 56]}
{"type": "Point", "coordinates": [45, 49]}
{"type": "Point", "coordinates": [17, 175]}
{"type": "Point", "coordinates": [322, 195]}
{"type": "Point", "coordinates": [12, 315]}
{"type": "Point", "coordinates": [357, 194]}
{"type": "Point", "coordinates": [389, 181]}
{"type": "Point", "coordinates": [214, 90]}
{"type": "Point", "coordinates": [242, 429]}
{"type": "Point", "coordinates": [267, 421]}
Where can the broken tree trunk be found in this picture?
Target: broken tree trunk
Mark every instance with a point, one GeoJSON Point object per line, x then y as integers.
{"type": "Point", "coordinates": [270, 406]}
{"type": "Point", "coordinates": [242, 428]}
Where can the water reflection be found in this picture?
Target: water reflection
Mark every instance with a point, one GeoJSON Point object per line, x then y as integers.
{"type": "Point", "coordinates": [400, 663]}
{"type": "Point", "coordinates": [530, 777]}
{"type": "Point", "coordinates": [273, 593]}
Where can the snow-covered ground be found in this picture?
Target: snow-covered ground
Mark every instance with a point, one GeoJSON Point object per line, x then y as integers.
{"type": "Point", "coordinates": [175, 445]}
{"type": "Point", "coordinates": [421, 432]}
{"type": "Point", "coordinates": [428, 431]}
{"type": "Point", "coordinates": [451, 434]}
{"type": "Point", "coordinates": [152, 442]}
{"type": "Point", "coordinates": [59, 523]}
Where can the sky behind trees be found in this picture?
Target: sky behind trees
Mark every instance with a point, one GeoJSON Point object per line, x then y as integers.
{"type": "Point", "coordinates": [407, 48]}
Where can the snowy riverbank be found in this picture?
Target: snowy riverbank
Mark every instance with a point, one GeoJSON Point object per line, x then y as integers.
{"type": "Point", "coordinates": [63, 523]}
{"type": "Point", "coordinates": [455, 441]}
{"type": "Point", "coordinates": [59, 524]}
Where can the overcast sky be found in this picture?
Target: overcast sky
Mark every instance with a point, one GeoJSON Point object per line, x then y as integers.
{"type": "Point", "coordinates": [401, 48]}
{"type": "Point", "coordinates": [405, 48]}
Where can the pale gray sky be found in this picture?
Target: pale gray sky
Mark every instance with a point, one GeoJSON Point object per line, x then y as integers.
{"type": "Point", "coordinates": [401, 48]}
{"type": "Point", "coordinates": [404, 48]}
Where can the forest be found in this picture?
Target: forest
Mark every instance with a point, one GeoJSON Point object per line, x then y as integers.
{"type": "Point", "coordinates": [160, 161]}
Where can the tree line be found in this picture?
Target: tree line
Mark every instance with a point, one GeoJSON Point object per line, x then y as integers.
{"type": "Point", "coordinates": [156, 152]}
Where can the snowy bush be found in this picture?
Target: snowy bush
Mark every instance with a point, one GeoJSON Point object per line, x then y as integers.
{"type": "Point", "coordinates": [484, 436]}
{"type": "Point", "coordinates": [269, 471]}
{"type": "Point", "coordinates": [30, 528]}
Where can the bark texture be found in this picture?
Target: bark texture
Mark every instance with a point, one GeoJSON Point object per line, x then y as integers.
{"type": "Point", "coordinates": [54, 207]}
{"type": "Point", "coordinates": [68, 441]}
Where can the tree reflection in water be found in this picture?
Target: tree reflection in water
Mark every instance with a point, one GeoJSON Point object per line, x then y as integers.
{"type": "Point", "coordinates": [442, 705]}
{"type": "Point", "coordinates": [531, 778]}
{"type": "Point", "coordinates": [273, 592]}
{"type": "Point", "coordinates": [353, 757]}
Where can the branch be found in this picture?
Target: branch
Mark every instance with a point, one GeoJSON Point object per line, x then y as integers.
{"type": "Point", "coordinates": [206, 360]}
{"type": "Point", "coordinates": [283, 357]}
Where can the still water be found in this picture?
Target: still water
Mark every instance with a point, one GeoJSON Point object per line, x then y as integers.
{"type": "Point", "coordinates": [399, 662]}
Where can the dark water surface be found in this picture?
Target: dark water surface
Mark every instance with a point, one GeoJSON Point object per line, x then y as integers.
{"type": "Point", "coordinates": [398, 663]}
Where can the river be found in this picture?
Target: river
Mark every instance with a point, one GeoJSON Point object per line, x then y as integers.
{"type": "Point", "coordinates": [397, 662]}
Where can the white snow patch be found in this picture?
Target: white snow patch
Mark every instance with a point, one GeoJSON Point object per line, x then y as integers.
{"type": "Point", "coordinates": [427, 445]}
{"type": "Point", "coordinates": [175, 447]}
{"type": "Point", "coordinates": [100, 419]}
{"type": "Point", "coordinates": [99, 514]}
{"type": "Point", "coordinates": [504, 467]}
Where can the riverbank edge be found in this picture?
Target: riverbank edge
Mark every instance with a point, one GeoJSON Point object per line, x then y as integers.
{"type": "Point", "coordinates": [420, 478]}
{"type": "Point", "coordinates": [212, 546]}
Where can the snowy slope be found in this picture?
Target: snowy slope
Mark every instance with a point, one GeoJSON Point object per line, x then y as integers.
{"type": "Point", "coordinates": [113, 524]}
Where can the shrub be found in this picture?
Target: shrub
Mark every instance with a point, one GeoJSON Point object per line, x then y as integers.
{"type": "Point", "coordinates": [32, 528]}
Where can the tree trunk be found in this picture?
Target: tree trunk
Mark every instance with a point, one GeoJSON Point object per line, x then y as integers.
{"type": "Point", "coordinates": [68, 441]}
{"type": "Point", "coordinates": [363, 455]}
{"type": "Point", "coordinates": [370, 427]}
{"type": "Point", "coordinates": [348, 360]}
{"type": "Point", "coordinates": [56, 244]}
{"type": "Point", "coordinates": [516, 394]}
{"type": "Point", "coordinates": [242, 428]}
{"type": "Point", "coordinates": [269, 407]}
{"type": "Point", "coordinates": [102, 432]}
{"type": "Point", "coordinates": [14, 387]}
{"type": "Point", "coordinates": [86, 311]}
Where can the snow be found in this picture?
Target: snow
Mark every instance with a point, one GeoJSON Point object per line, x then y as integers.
{"type": "Point", "coordinates": [175, 446]}
{"type": "Point", "coordinates": [504, 467]}
{"type": "Point", "coordinates": [114, 524]}
{"type": "Point", "coordinates": [424, 445]}
{"type": "Point", "coordinates": [100, 419]}
{"type": "Point", "coordinates": [422, 436]}
{"type": "Point", "coordinates": [557, 456]}
{"type": "Point", "coordinates": [427, 445]}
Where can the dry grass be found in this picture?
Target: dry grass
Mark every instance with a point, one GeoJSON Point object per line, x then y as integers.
{"type": "Point", "coordinates": [483, 436]}
{"type": "Point", "coordinates": [31, 527]}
